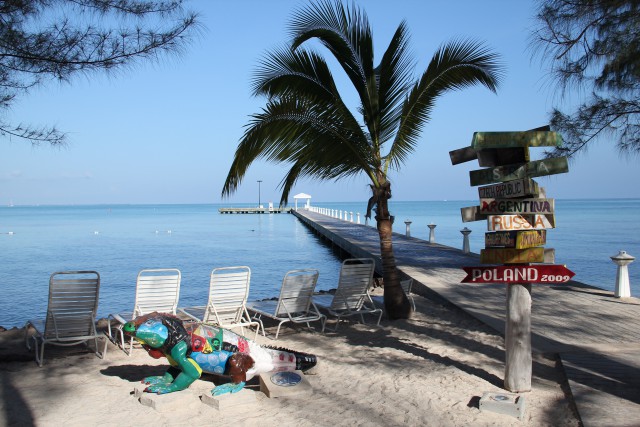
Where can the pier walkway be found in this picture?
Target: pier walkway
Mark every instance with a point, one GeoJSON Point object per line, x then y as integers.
{"type": "Point", "coordinates": [270, 210]}
{"type": "Point", "coordinates": [596, 335]}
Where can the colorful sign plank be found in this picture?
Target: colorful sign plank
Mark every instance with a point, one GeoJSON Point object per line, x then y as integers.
{"type": "Point", "coordinates": [491, 157]}
{"type": "Point", "coordinates": [549, 274]}
{"type": "Point", "coordinates": [519, 222]}
{"type": "Point", "coordinates": [532, 169]}
{"type": "Point", "coordinates": [463, 155]}
{"type": "Point", "coordinates": [510, 189]}
{"type": "Point", "coordinates": [467, 154]}
{"type": "Point", "coordinates": [516, 256]}
{"type": "Point", "coordinates": [515, 239]}
{"type": "Point", "coordinates": [472, 213]}
{"type": "Point", "coordinates": [516, 206]}
{"type": "Point", "coordinates": [515, 139]}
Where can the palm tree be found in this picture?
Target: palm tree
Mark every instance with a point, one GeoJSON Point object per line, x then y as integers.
{"type": "Point", "coordinates": [307, 125]}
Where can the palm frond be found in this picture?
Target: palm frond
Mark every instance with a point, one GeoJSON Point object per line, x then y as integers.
{"type": "Point", "coordinates": [456, 65]}
{"type": "Point", "coordinates": [283, 72]}
{"type": "Point", "coordinates": [346, 33]}
{"type": "Point", "coordinates": [393, 76]}
{"type": "Point", "coordinates": [316, 135]}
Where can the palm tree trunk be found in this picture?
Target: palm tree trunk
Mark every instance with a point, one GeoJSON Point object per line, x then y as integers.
{"type": "Point", "coordinates": [396, 303]}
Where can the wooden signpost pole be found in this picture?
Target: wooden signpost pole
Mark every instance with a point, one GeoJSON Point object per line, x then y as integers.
{"type": "Point", "coordinates": [518, 362]}
{"type": "Point", "coordinates": [517, 215]}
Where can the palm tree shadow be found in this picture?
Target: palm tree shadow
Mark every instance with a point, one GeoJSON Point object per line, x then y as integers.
{"type": "Point", "coordinates": [387, 340]}
{"type": "Point", "coordinates": [545, 366]}
{"type": "Point", "coordinates": [134, 373]}
{"type": "Point", "coordinates": [16, 409]}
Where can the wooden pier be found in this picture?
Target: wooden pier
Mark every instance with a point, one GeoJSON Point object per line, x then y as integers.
{"type": "Point", "coordinates": [595, 335]}
{"type": "Point", "coordinates": [254, 210]}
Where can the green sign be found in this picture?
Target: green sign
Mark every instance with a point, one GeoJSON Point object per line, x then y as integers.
{"type": "Point", "coordinates": [462, 155]}
{"type": "Point", "coordinates": [544, 167]}
{"type": "Point", "coordinates": [515, 139]}
{"type": "Point", "coordinates": [490, 157]}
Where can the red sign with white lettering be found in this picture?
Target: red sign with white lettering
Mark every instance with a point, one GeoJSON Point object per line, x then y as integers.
{"type": "Point", "coordinates": [545, 274]}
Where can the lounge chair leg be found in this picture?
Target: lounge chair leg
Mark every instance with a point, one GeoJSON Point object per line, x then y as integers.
{"type": "Point", "coordinates": [102, 355]}
{"type": "Point", "coordinates": [259, 325]}
{"type": "Point", "coordinates": [337, 323]}
{"type": "Point", "coordinates": [278, 331]}
{"type": "Point", "coordinates": [26, 336]}
{"type": "Point", "coordinates": [40, 356]}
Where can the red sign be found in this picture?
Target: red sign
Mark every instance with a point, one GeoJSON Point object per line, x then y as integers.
{"type": "Point", "coordinates": [546, 274]}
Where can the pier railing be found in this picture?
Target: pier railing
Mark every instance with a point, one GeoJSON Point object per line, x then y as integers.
{"type": "Point", "coordinates": [337, 213]}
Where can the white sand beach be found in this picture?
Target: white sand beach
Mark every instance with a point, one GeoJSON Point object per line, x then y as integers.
{"type": "Point", "coordinates": [427, 371]}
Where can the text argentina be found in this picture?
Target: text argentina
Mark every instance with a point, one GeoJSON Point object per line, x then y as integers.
{"type": "Point", "coordinates": [516, 206]}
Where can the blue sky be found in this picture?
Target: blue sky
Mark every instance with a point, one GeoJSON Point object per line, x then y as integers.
{"type": "Point", "coordinates": [166, 132]}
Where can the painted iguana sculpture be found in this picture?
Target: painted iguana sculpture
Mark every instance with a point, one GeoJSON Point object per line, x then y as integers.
{"type": "Point", "coordinates": [207, 349]}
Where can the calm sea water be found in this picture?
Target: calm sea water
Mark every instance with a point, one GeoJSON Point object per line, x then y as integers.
{"type": "Point", "coordinates": [118, 241]}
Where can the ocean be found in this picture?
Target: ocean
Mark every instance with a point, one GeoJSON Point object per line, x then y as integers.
{"type": "Point", "coordinates": [120, 240]}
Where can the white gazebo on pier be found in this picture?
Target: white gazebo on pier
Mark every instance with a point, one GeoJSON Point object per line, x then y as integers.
{"type": "Point", "coordinates": [302, 196]}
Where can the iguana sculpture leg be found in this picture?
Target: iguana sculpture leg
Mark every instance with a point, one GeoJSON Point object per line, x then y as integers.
{"type": "Point", "coordinates": [227, 388]}
{"type": "Point", "coordinates": [167, 378]}
{"type": "Point", "coordinates": [189, 372]}
{"type": "Point", "coordinates": [239, 364]}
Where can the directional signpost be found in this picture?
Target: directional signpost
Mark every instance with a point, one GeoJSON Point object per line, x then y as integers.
{"type": "Point", "coordinates": [516, 206]}
{"type": "Point", "coordinates": [519, 222]}
{"type": "Point", "coordinates": [516, 256]}
{"type": "Point", "coordinates": [518, 215]}
{"type": "Point", "coordinates": [545, 274]}
{"type": "Point", "coordinates": [518, 171]}
{"type": "Point", "coordinates": [515, 239]}
{"type": "Point", "coordinates": [510, 189]}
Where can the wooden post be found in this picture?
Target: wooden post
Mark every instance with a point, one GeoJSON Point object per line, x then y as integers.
{"type": "Point", "coordinates": [515, 208]}
{"type": "Point", "coordinates": [518, 364]}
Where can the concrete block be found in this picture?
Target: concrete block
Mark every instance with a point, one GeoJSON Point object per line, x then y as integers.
{"type": "Point", "coordinates": [230, 400]}
{"type": "Point", "coordinates": [167, 402]}
{"type": "Point", "coordinates": [285, 384]}
{"type": "Point", "coordinates": [138, 390]}
{"type": "Point", "coordinates": [503, 403]}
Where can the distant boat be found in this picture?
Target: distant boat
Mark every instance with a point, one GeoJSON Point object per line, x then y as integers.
{"type": "Point", "coordinates": [10, 203]}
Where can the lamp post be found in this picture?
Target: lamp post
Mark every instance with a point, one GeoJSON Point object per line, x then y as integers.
{"type": "Point", "coordinates": [259, 181]}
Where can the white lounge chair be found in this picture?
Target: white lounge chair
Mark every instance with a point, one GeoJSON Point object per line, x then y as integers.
{"type": "Point", "coordinates": [352, 294]}
{"type": "Point", "coordinates": [406, 287]}
{"type": "Point", "coordinates": [226, 307]}
{"type": "Point", "coordinates": [294, 303]}
{"type": "Point", "coordinates": [156, 290]}
{"type": "Point", "coordinates": [71, 313]}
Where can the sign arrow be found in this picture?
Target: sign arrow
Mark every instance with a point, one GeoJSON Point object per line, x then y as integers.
{"type": "Point", "coordinates": [544, 274]}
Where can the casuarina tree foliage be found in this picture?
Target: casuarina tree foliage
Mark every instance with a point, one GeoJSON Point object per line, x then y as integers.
{"type": "Point", "coordinates": [307, 125]}
{"type": "Point", "coordinates": [593, 48]}
{"type": "Point", "coordinates": [44, 40]}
